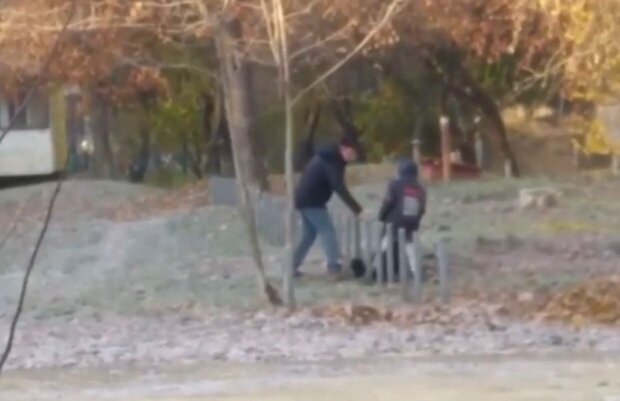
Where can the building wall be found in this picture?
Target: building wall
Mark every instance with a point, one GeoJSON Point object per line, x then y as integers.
{"type": "Point", "coordinates": [37, 144]}
{"type": "Point", "coordinates": [27, 152]}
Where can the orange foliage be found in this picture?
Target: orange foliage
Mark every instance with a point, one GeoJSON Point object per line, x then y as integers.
{"type": "Point", "coordinates": [97, 57]}
{"type": "Point", "coordinates": [593, 302]}
{"type": "Point", "coordinates": [544, 40]}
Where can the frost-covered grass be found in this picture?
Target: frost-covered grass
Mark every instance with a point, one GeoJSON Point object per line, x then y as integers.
{"type": "Point", "coordinates": [201, 257]}
{"type": "Point", "coordinates": [145, 279]}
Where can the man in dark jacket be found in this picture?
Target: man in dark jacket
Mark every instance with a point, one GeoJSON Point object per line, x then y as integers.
{"type": "Point", "coordinates": [403, 207]}
{"type": "Point", "coordinates": [324, 175]}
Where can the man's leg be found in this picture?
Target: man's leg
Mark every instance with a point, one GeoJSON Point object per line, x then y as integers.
{"type": "Point", "coordinates": [329, 240]}
{"type": "Point", "coordinates": [308, 237]}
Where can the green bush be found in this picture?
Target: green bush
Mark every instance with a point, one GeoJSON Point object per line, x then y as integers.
{"type": "Point", "coordinates": [391, 117]}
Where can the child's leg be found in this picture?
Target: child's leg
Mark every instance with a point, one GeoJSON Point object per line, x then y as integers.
{"type": "Point", "coordinates": [412, 258]}
{"type": "Point", "coordinates": [396, 249]}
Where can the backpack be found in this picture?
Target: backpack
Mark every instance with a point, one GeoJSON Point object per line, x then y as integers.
{"type": "Point", "coordinates": [411, 205]}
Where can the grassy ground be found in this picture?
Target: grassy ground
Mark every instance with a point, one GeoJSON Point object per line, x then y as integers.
{"type": "Point", "coordinates": [156, 287]}
{"type": "Point", "coordinates": [201, 256]}
{"type": "Point", "coordinates": [498, 247]}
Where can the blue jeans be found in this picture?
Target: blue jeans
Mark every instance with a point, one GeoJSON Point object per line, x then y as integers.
{"type": "Point", "coordinates": [316, 221]}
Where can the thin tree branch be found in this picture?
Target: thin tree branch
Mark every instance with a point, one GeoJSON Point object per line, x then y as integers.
{"type": "Point", "coordinates": [390, 11]}
{"type": "Point", "coordinates": [49, 212]}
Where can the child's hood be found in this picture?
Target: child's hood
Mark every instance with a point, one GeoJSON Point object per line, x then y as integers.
{"type": "Point", "coordinates": [407, 169]}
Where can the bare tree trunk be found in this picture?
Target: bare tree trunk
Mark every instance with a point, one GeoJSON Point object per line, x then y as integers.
{"type": "Point", "coordinates": [233, 72]}
{"type": "Point", "coordinates": [103, 159]}
{"type": "Point", "coordinates": [240, 112]}
{"type": "Point", "coordinates": [289, 224]}
{"type": "Point", "coordinates": [289, 228]}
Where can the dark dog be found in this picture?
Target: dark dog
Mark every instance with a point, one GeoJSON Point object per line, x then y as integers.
{"type": "Point", "coordinates": [360, 269]}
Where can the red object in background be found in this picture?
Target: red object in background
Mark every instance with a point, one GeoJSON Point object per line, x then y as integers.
{"type": "Point", "coordinates": [432, 170]}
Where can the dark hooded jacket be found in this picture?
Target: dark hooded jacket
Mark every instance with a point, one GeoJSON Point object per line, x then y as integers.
{"type": "Point", "coordinates": [324, 175]}
{"type": "Point", "coordinates": [404, 203]}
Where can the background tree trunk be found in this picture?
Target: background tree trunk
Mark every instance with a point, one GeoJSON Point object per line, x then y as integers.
{"type": "Point", "coordinates": [140, 164]}
{"type": "Point", "coordinates": [103, 159]}
{"type": "Point", "coordinates": [219, 151]}
{"type": "Point", "coordinates": [448, 65]}
{"type": "Point", "coordinates": [472, 92]}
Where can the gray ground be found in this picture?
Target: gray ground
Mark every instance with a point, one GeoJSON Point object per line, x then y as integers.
{"type": "Point", "coordinates": [179, 288]}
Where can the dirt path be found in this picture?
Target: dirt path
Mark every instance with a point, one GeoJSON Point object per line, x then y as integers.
{"type": "Point", "coordinates": [575, 378]}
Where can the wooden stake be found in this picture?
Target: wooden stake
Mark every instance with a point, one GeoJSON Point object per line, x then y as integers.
{"type": "Point", "coordinates": [444, 125]}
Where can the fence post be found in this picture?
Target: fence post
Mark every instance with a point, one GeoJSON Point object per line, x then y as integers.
{"type": "Point", "coordinates": [403, 270]}
{"type": "Point", "coordinates": [357, 238]}
{"type": "Point", "coordinates": [479, 149]}
{"type": "Point", "coordinates": [416, 260]}
{"type": "Point", "coordinates": [275, 228]}
{"type": "Point", "coordinates": [415, 150]}
{"type": "Point", "coordinates": [347, 241]}
{"type": "Point", "coordinates": [279, 216]}
{"type": "Point", "coordinates": [379, 265]}
{"type": "Point", "coordinates": [390, 254]}
{"type": "Point", "coordinates": [508, 173]}
{"type": "Point", "coordinates": [444, 276]}
{"type": "Point", "coordinates": [368, 248]}
{"type": "Point", "coordinates": [341, 232]}
{"type": "Point", "coordinates": [446, 147]}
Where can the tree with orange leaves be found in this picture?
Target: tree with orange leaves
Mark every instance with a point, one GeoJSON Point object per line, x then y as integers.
{"type": "Point", "coordinates": [235, 29]}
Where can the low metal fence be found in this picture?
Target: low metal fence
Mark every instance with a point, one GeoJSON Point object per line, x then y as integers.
{"type": "Point", "coordinates": [367, 240]}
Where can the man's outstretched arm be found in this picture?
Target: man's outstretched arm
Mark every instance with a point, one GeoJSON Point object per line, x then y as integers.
{"type": "Point", "coordinates": [336, 180]}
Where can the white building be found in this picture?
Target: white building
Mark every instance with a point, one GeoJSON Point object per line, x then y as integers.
{"type": "Point", "coordinates": [36, 144]}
